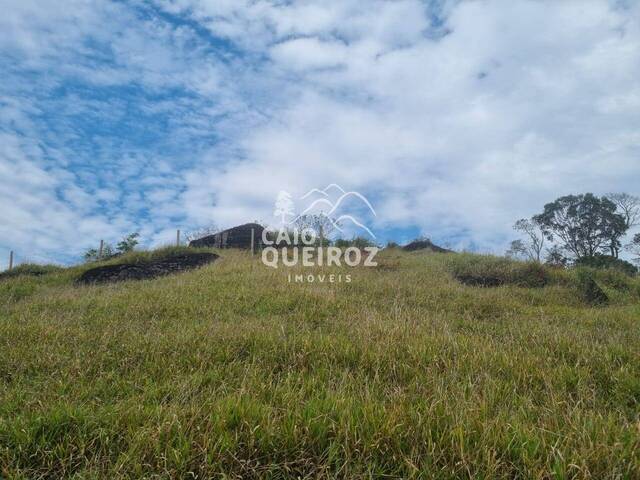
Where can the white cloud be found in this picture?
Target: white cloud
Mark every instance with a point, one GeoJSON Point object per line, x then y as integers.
{"type": "Point", "coordinates": [305, 53]}
{"type": "Point", "coordinates": [482, 126]}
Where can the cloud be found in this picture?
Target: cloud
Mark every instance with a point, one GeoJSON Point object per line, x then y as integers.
{"type": "Point", "coordinates": [461, 133]}
{"type": "Point", "coordinates": [454, 117]}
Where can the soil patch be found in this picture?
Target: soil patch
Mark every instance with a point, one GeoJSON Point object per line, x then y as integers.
{"type": "Point", "coordinates": [480, 281]}
{"type": "Point", "coordinates": [141, 271]}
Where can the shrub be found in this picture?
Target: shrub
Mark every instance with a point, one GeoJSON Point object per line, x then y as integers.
{"type": "Point", "coordinates": [612, 278]}
{"type": "Point", "coordinates": [489, 271]}
{"type": "Point", "coordinates": [607, 262]}
{"type": "Point", "coordinates": [128, 243]}
{"type": "Point", "coordinates": [589, 289]}
{"type": "Point", "coordinates": [31, 269]}
{"type": "Point", "coordinates": [555, 258]}
{"type": "Point", "coordinates": [358, 242]}
{"type": "Point", "coordinates": [424, 243]}
{"type": "Point", "coordinates": [93, 254]}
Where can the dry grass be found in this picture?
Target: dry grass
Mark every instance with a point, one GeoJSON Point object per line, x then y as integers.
{"type": "Point", "coordinates": [230, 371]}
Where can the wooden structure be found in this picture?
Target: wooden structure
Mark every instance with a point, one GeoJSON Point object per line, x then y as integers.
{"type": "Point", "coordinates": [247, 236]}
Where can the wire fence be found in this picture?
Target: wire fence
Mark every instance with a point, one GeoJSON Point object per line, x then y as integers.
{"type": "Point", "coordinates": [101, 249]}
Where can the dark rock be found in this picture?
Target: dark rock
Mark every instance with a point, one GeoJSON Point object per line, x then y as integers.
{"type": "Point", "coordinates": [141, 271]}
{"type": "Point", "coordinates": [236, 237]}
{"type": "Point", "coordinates": [425, 245]}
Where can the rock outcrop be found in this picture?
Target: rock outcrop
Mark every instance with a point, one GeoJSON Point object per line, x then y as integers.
{"type": "Point", "coordinates": [144, 270]}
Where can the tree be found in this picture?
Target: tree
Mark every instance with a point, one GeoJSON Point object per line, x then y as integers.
{"type": "Point", "coordinates": [555, 257]}
{"type": "Point", "coordinates": [629, 207]}
{"type": "Point", "coordinates": [532, 248]}
{"type": "Point", "coordinates": [585, 224]}
{"type": "Point", "coordinates": [634, 248]}
{"type": "Point", "coordinates": [322, 225]}
{"type": "Point", "coordinates": [516, 249]}
{"type": "Point", "coordinates": [93, 254]}
{"type": "Point", "coordinates": [125, 245]}
{"type": "Point", "coordinates": [284, 206]}
{"type": "Point", "coordinates": [128, 243]}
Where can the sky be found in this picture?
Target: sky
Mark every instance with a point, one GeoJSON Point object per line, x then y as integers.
{"type": "Point", "coordinates": [453, 118]}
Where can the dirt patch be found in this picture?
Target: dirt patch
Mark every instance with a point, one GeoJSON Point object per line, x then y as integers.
{"type": "Point", "coordinates": [141, 271]}
{"type": "Point", "coordinates": [480, 281]}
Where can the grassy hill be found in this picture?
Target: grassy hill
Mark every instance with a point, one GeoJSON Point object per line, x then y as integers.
{"type": "Point", "coordinates": [231, 371]}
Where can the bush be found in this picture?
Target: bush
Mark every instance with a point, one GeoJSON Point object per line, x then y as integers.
{"type": "Point", "coordinates": [93, 254]}
{"type": "Point", "coordinates": [423, 243]}
{"type": "Point", "coordinates": [358, 242]}
{"type": "Point", "coordinates": [607, 262]}
{"type": "Point", "coordinates": [126, 245]}
{"type": "Point", "coordinates": [31, 269]}
{"type": "Point", "coordinates": [612, 278]}
{"type": "Point", "coordinates": [489, 271]}
{"type": "Point", "coordinates": [589, 289]}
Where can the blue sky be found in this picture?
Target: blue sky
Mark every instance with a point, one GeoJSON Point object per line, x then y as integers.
{"type": "Point", "coordinates": [455, 118]}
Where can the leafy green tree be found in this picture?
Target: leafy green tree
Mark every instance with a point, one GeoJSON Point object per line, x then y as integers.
{"type": "Point", "coordinates": [584, 224]}
{"type": "Point", "coordinates": [93, 254]}
{"type": "Point", "coordinates": [128, 243]}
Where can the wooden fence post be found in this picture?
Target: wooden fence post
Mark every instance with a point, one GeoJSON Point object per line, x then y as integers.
{"type": "Point", "coordinates": [178, 238]}
{"type": "Point", "coordinates": [101, 249]}
{"type": "Point", "coordinates": [10, 259]}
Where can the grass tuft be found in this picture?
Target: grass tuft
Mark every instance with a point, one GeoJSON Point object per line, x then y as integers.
{"type": "Point", "coordinates": [489, 271]}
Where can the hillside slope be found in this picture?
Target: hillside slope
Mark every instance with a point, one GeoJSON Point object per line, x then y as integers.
{"type": "Point", "coordinates": [231, 370]}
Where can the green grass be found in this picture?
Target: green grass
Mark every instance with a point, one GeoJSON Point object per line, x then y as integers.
{"type": "Point", "coordinates": [229, 371]}
{"type": "Point", "coordinates": [29, 269]}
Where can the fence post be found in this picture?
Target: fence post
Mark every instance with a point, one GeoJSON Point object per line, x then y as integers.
{"type": "Point", "coordinates": [321, 236]}
{"type": "Point", "coordinates": [101, 249]}
{"type": "Point", "coordinates": [10, 259]}
{"type": "Point", "coordinates": [252, 242]}
{"type": "Point", "coordinates": [178, 238]}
